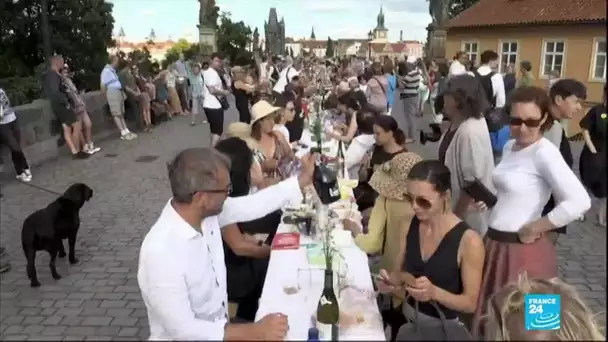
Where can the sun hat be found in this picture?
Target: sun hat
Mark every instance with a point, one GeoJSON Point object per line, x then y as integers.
{"type": "Point", "coordinates": [261, 110]}
{"type": "Point", "coordinates": [242, 131]}
{"type": "Point", "coordinates": [390, 179]}
{"type": "Point", "coordinates": [237, 69]}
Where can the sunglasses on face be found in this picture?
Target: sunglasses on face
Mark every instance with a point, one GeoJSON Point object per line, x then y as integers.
{"type": "Point", "coordinates": [513, 121]}
{"type": "Point", "coordinates": [420, 201]}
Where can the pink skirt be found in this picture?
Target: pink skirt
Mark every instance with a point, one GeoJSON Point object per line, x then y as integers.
{"type": "Point", "coordinates": [505, 262]}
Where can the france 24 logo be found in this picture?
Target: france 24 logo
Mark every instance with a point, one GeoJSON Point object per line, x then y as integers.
{"type": "Point", "coordinates": [543, 312]}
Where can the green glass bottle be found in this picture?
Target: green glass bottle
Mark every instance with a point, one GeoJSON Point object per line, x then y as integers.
{"type": "Point", "coordinates": [328, 310]}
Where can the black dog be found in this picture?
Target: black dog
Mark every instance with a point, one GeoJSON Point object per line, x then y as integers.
{"type": "Point", "coordinates": [46, 229]}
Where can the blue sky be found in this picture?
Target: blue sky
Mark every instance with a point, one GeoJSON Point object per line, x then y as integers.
{"type": "Point", "coordinates": [333, 18]}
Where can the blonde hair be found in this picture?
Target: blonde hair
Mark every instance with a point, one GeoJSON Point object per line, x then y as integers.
{"type": "Point", "coordinates": [506, 310]}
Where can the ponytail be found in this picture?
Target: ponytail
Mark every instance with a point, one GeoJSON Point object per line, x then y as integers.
{"type": "Point", "coordinates": [399, 136]}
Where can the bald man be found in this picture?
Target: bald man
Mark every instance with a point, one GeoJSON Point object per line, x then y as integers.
{"type": "Point", "coordinates": [56, 92]}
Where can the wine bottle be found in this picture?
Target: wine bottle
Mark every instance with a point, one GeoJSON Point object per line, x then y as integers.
{"type": "Point", "coordinates": [340, 160]}
{"type": "Point", "coordinates": [328, 311]}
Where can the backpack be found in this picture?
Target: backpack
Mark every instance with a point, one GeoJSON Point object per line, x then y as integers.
{"type": "Point", "coordinates": [496, 118]}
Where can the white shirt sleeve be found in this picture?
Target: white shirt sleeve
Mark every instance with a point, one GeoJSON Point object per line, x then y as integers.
{"type": "Point", "coordinates": [571, 197]}
{"type": "Point", "coordinates": [263, 202]}
{"type": "Point", "coordinates": [498, 85]}
{"type": "Point", "coordinates": [356, 151]}
{"type": "Point", "coordinates": [291, 73]}
{"type": "Point", "coordinates": [167, 295]}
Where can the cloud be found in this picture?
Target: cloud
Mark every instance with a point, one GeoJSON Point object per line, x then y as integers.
{"type": "Point", "coordinates": [149, 12]}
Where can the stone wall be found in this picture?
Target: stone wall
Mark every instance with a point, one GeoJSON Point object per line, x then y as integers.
{"type": "Point", "coordinates": [40, 129]}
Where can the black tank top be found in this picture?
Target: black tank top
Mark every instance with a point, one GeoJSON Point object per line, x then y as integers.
{"type": "Point", "coordinates": [442, 268]}
{"type": "Point", "coordinates": [241, 98]}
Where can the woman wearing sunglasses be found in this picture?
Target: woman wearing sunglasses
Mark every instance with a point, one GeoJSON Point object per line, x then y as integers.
{"type": "Point", "coordinates": [440, 257]}
{"type": "Point", "coordinates": [531, 169]}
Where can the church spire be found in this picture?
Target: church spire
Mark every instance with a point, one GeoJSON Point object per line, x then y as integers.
{"type": "Point", "coordinates": [312, 33]}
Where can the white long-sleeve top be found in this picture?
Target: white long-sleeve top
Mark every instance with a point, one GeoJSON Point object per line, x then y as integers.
{"type": "Point", "coordinates": [182, 273]}
{"type": "Point", "coordinates": [524, 180]}
{"type": "Point", "coordinates": [355, 152]}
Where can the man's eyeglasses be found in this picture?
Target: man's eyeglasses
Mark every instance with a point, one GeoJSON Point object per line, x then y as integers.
{"type": "Point", "coordinates": [226, 190]}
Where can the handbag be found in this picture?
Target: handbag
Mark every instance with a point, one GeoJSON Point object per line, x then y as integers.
{"type": "Point", "coordinates": [433, 330]}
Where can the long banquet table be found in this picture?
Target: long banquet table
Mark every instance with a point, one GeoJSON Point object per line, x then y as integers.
{"type": "Point", "coordinates": [291, 268]}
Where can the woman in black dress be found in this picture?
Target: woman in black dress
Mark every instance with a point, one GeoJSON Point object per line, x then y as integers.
{"type": "Point", "coordinates": [242, 91]}
{"type": "Point", "coordinates": [246, 257]}
{"type": "Point", "coordinates": [592, 163]}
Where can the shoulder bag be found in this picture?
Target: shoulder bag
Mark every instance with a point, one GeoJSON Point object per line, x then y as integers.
{"type": "Point", "coordinates": [440, 329]}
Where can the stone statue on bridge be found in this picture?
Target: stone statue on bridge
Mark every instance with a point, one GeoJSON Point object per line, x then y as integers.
{"type": "Point", "coordinates": [207, 13]}
{"type": "Point", "coordinates": [439, 11]}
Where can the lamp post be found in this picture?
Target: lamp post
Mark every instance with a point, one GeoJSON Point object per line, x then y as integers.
{"type": "Point", "coordinates": [370, 36]}
{"type": "Point", "coordinates": [46, 29]}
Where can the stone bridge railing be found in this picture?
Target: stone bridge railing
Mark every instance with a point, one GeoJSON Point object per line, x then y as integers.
{"type": "Point", "coordinates": [40, 129]}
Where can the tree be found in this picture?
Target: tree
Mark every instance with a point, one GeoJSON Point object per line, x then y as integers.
{"type": "Point", "coordinates": [329, 51]}
{"type": "Point", "coordinates": [81, 31]}
{"type": "Point", "coordinates": [232, 40]}
{"type": "Point", "coordinates": [458, 6]}
{"type": "Point", "coordinates": [190, 51]}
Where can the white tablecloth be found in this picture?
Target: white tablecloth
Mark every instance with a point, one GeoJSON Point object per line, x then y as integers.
{"type": "Point", "coordinates": [330, 147]}
{"type": "Point", "coordinates": [290, 268]}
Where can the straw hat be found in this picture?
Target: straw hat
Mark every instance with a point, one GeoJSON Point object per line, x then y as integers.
{"type": "Point", "coordinates": [390, 179]}
{"type": "Point", "coordinates": [237, 69]}
{"type": "Point", "coordinates": [261, 110]}
{"type": "Point", "coordinates": [242, 131]}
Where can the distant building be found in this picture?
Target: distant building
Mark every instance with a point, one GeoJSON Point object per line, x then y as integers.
{"type": "Point", "coordinates": [274, 32]}
{"type": "Point", "coordinates": [380, 45]}
{"type": "Point", "coordinates": [568, 36]}
{"type": "Point", "coordinates": [157, 49]}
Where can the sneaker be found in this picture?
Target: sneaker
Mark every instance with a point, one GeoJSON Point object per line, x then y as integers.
{"type": "Point", "coordinates": [28, 172]}
{"type": "Point", "coordinates": [24, 177]}
{"type": "Point", "coordinates": [80, 155]}
{"type": "Point", "coordinates": [4, 267]}
{"type": "Point", "coordinates": [92, 149]}
{"type": "Point", "coordinates": [124, 136]}
{"type": "Point", "coordinates": [133, 135]}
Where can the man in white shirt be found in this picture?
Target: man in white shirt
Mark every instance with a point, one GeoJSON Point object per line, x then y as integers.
{"type": "Point", "coordinates": [457, 66]}
{"type": "Point", "coordinates": [489, 62]}
{"type": "Point", "coordinates": [493, 86]}
{"type": "Point", "coordinates": [285, 76]}
{"type": "Point", "coordinates": [214, 91]}
{"type": "Point", "coordinates": [182, 273]}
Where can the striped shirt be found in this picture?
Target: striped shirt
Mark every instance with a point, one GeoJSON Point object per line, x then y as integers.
{"type": "Point", "coordinates": [409, 83]}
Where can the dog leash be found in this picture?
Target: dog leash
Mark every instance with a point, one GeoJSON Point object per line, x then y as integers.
{"type": "Point", "coordinates": [41, 188]}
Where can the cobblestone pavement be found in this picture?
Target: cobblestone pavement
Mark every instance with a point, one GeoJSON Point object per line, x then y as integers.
{"type": "Point", "coordinates": [99, 299]}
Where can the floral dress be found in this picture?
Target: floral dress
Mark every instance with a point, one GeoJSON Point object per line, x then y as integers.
{"type": "Point", "coordinates": [76, 101]}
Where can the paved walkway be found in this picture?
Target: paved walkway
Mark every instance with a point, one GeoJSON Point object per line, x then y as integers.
{"type": "Point", "coordinates": [98, 299]}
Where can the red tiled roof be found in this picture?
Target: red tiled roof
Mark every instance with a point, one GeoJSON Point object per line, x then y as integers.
{"type": "Point", "coordinates": [516, 12]}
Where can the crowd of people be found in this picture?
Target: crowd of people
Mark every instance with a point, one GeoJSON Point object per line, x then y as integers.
{"type": "Point", "coordinates": [473, 253]}
{"type": "Point", "coordinates": [476, 226]}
